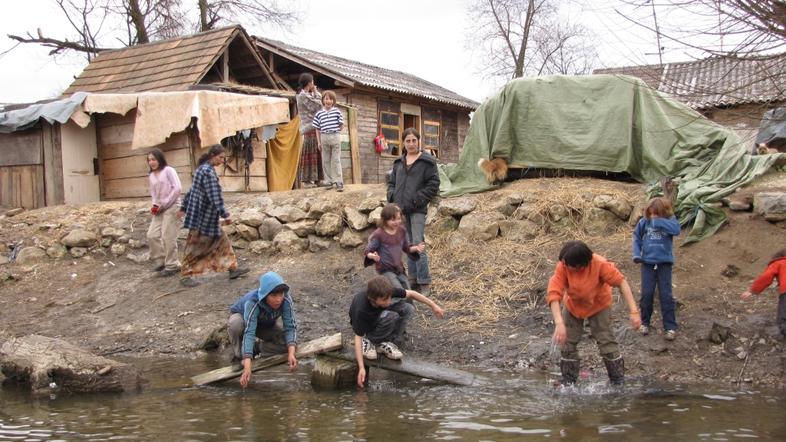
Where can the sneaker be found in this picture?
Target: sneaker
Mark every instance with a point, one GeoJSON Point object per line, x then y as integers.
{"type": "Point", "coordinates": [188, 282]}
{"type": "Point", "coordinates": [670, 335]}
{"type": "Point", "coordinates": [158, 268]}
{"type": "Point", "coordinates": [168, 272]}
{"type": "Point", "coordinates": [339, 187]}
{"type": "Point", "coordinates": [369, 352]}
{"type": "Point", "coordinates": [390, 351]}
{"type": "Point", "coordinates": [240, 271]}
{"type": "Point", "coordinates": [644, 330]}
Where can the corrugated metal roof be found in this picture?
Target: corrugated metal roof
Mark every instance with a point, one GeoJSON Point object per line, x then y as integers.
{"type": "Point", "coordinates": [715, 81]}
{"type": "Point", "coordinates": [374, 76]}
{"type": "Point", "coordinates": [168, 65]}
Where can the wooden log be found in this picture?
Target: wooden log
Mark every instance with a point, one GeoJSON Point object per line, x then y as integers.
{"type": "Point", "coordinates": [416, 367]}
{"type": "Point", "coordinates": [334, 374]}
{"type": "Point", "coordinates": [319, 345]}
{"type": "Point", "coordinates": [50, 365]}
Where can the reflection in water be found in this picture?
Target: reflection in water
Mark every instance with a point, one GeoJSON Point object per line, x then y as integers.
{"type": "Point", "coordinates": [282, 406]}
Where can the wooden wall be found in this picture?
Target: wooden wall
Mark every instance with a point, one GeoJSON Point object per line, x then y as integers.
{"type": "Point", "coordinates": [123, 171]}
{"type": "Point", "coordinates": [22, 169]}
{"type": "Point", "coordinates": [375, 166]}
{"type": "Point", "coordinates": [232, 175]}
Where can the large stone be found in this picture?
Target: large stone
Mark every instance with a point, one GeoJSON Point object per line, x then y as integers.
{"type": "Point", "coordinates": [302, 228]}
{"type": "Point", "coordinates": [106, 242]}
{"type": "Point", "coordinates": [112, 232]}
{"type": "Point", "coordinates": [239, 244]}
{"type": "Point", "coordinates": [368, 204]}
{"type": "Point", "coordinates": [530, 212]}
{"type": "Point", "coordinates": [636, 214]}
{"type": "Point", "coordinates": [304, 204]}
{"type": "Point", "coordinates": [269, 229]}
{"type": "Point", "coordinates": [504, 207]}
{"type": "Point", "coordinates": [77, 252]}
{"type": "Point", "coordinates": [261, 247]}
{"type": "Point", "coordinates": [287, 242]}
{"type": "Point", "coordinates": [30, 255]}
{"type": "Point", "coordinates": [56, 251]}
{"type": "Point", "coordinates": [597, 221]}
{"type": "Point", "coordinates": [247, 232]}
{"type": "Point", "coordinates": [265, 202]}
{"type": "Point", "coordinates": [770, 205]}
{"type": "Point", "coordinates": [79, 238]}
{"type": "Point", "coordinates": [251, 217]}
{"type": "Point", "coordinates": [375, 216]}
{"type": "Point", "coordinates": [4, 260]}
{"type": "Point", "coordinates": [136, 243]}
{"type": "Point", "coordinates": [482, 226]}
{"type": "Point", "coordinates": [618, 207]}
{"type": "Point", "coordinates": [48, 366]}
{"type": "Point", "coordinates": [350, 238]}
{"type": "Point", "coordinates": [229, 229]}
{"type": "Point", "coordinates": [118, 249]}
{"type": "Point", "coordinates": [458, 206]}
{"type": "Point", "coordinates": [518, 230]}
{"type": "Point", "coordinates": [355, 219]}
{"type": "Point", "coordinates": [316, 243]}
{"type": "Point", "coordinates": [329, 225]}
{"type": "Point", "coordinates": [558, 212]}
{"type": "Point", "coordinates": [322, 207]}
{"type": "Point", "coordinates": [445, 225]}
{"type": "Point", "coordinates": [138, 258]}
{"type": "Point", "coordinates": [286, 213]}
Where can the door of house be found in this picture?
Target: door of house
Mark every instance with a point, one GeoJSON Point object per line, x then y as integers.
{"type": "Point", "coordinates": [80, 160]}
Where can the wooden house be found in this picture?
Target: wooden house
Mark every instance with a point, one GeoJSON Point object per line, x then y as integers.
{"type": "Point", "coordinates": [387, 102]}
{"type": "Point", "coordinates": [734, 92]}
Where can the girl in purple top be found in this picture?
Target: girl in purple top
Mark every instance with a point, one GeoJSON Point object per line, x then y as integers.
{"type": "Point", "coordinates": [387, 245]}
{"type": "Point", "coordinates": [164, 227]}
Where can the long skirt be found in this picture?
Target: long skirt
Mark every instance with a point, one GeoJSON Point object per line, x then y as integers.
{"type": "Point", "coordinates": [310, 167]}
{"type": "Point", "coordinates": [207, 253]}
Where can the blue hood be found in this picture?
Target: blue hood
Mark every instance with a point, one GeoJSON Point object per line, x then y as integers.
{"type": "Point", "coordinates": [267, 283]}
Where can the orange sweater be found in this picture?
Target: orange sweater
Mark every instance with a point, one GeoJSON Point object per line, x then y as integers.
{"type": "Point", "coordinates": [775, 269]}
{"type": "Point", "coordinates": [588, 290]}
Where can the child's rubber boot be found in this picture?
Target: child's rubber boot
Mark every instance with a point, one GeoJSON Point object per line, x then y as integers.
{"type": "Point", "coordinates": [570, 370]}
{"type": "Point", "coordinates": [616, 370]}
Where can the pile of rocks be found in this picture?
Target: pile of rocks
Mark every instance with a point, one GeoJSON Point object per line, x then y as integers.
{"type": "Point", "coordinates": [769, 205]}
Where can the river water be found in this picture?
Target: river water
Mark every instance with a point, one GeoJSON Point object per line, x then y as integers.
{"type": "Point", "coordinates": [283, 406]}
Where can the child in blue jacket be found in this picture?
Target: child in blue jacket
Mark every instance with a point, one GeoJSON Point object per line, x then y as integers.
{"type": "Point", "coordinates": [254, 315]}
{"type": "Point", "coordinates": [653, 249]}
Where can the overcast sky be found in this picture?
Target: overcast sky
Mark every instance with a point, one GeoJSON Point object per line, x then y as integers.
{"type": "Point", "coordinates": [422, 37]}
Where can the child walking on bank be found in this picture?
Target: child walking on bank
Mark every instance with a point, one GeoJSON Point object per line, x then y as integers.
{"type": "Point", "coordinates": [776, 269]}
{"type": "Point", "coordinates": [653, 249]}
{"type": "Point", "coordinates": [583, 281]}
{"type": "Point", "coordinates": [387, 245]}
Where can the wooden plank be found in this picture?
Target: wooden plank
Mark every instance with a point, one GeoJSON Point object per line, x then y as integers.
{"type": "Point", "coordinates": [136, 166]}
{"type": "Point", "coordinates": [22, 186]}
{"type": "Point", "coordinates": [110, 119]}
{"type": "Point", "coordinates": [121, 133]}
{"type": "Point", "coordinates": [416, 367]}
{"type": "Point", "coordinates": [238, 184]}
{"type": "Point", "coordinates": [21, 148]}
{"type": "Point", "coordinates": [319, 345]}
{"type": "Point", "coordinates": [120, 150]}
{"type": "Point", "coordinates": [137, 187]}
{"type": "Point", "coordinates": [53, 165]}
{"type": "Point", "coordinates": [354, 146]}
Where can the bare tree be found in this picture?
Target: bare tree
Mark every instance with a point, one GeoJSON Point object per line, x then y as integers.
{"type": "Point", "coordinates": [214, 12]}
{"type": "Point", "coordinates": [527, 37]}
{"type": "Point", "coordinates": [715, 27]}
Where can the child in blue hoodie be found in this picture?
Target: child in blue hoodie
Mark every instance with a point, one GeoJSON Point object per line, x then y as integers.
{"type": "Point", "coordinates": [254, 316]}
{"type": "Point", "coordinates": [653, 249]}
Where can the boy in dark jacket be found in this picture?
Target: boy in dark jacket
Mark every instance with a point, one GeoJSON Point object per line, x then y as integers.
{"type": "Point", "coordinates": [378, 322]}
{"type": "Point", "coordinates": [254, 316]}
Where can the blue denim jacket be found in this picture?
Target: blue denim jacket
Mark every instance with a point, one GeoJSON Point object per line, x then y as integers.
{"type": "Point", "coordinates": [653, 240]}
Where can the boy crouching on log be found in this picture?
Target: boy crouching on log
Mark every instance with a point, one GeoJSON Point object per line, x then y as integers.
{"type": "Point", "coordinates": [379, 323]}
{"type": "Point", "coordinates": [583, 280]}
{"type": "Point", "coordinates": [254, 315]}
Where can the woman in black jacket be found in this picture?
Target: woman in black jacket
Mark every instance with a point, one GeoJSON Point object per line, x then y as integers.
{"type": "Point", "coordinates": [412, 184]}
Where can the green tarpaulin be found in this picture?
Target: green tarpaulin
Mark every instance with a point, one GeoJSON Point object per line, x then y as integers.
{"type": "Point", "coordinates": [613, 124]}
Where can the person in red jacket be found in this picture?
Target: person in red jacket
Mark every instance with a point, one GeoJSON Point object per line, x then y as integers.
{"type": "Point", "coordinates": [775, 269]}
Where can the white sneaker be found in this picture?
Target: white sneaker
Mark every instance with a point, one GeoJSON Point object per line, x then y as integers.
{"type": "Point", "coordinates": [369, 352]}
{"type": "Point", "coordinates": [644, 330]}
{"type": "Point", "coordinates": [390, 350]}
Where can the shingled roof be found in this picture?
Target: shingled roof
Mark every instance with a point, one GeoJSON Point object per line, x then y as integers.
{"type": "Point", "coordinates": [168, 65]}
{"type": "Point", "coordinates": [715, 81]}
{"type": "Point", "coordinates": [352, 72]}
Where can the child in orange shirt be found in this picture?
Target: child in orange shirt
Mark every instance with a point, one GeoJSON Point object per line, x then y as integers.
{"type": "Point", "coordinates": [583, 281]}
{"type": "Point", "coordinates": [776, 269]}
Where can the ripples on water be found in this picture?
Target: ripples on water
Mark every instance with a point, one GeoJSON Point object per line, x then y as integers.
{"type": "Point", "coordinates": [282, 406]}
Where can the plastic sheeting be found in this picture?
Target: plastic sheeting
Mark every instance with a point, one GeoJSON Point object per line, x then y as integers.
{"type": "Point", "coordinates": [608, 123]}
{"type": "Point", "coordinates": [58, 111]}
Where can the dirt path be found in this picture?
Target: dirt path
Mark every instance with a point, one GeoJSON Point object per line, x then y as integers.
{"type": "Point", "coordinates": [112, 305]}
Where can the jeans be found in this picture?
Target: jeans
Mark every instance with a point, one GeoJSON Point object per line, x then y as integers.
{"type": "Point", "coordinates": [600, 327]}
{"type": "Point", "coordinates": [331, 158]}
{"type": "Point", "coordinates": [397, 280]}
{"type": "Point", "coordinates": [392, 323]}
{"type": "Point", "coordinates": [660, 275]}
{"type": "Point", "coordinates": [270, 333]}
{"type": "Point", "coordinates": [417, 270]}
